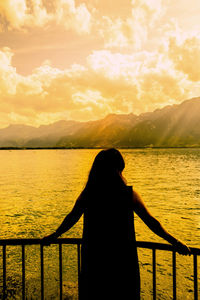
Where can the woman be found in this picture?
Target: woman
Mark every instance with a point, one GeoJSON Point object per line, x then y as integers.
{"type": "Point", "coordinates": [109, 261]}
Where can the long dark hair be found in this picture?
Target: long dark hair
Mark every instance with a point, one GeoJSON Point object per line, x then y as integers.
{"type": "Point", "coordinates": [106, 170]}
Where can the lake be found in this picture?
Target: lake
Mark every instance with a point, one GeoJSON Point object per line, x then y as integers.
{"type": "Point", "coordinates": [39, 187]}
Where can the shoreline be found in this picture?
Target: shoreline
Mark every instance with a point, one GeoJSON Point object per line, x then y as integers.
{"type": "Point", "coordinates": [87, 148]}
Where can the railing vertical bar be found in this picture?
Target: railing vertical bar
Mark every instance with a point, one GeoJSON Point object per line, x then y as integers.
{"type": "Point", "coordinates": [60, 269]}
{"type": "Point", "coordinates": [42, 271]}
{"type": "Point", "coordinates": [195, 277]}
{"type": "Point", "coordinates": [174, 274]}
{"type": "Point", "coordinates": [4, 271]}
{"type": "Point", "coordinates": [79, 267]}
{"type": "Point", "coordinates": [23, 272]}
{"type": "Point", "coordinates": [154, 273]}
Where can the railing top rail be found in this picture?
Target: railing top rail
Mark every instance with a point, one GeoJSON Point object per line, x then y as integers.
{"type": "Point", "coordinates": [162, 246]}
{"type": "Point", "coordinates": [15, 242]}
{"type": "Point", "coordinates": [75, 241]}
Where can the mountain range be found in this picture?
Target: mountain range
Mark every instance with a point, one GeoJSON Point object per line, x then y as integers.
{"type": "Point", "coordinates": [172, 126]}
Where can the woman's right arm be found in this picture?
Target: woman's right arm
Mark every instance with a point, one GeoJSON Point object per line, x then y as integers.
{"type": "Point", "coordinates": [142, 211]}
{"type": "Point", "coordinates": [70, 220]}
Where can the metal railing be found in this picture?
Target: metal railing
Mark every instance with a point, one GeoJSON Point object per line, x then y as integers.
{"type": "Point", "coordinates": [77, 241]}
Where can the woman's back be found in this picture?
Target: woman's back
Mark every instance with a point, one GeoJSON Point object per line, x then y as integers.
{"type": "Point", "coordinates": [109, 256]}
{"type": "Point", "coordinates": [108, 214]}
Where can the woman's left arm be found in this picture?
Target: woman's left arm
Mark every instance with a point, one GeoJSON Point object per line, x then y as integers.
{"type": "Point", "coordinates": [155, 225]}
{"type": "Point", "coordinates": [69, 221]}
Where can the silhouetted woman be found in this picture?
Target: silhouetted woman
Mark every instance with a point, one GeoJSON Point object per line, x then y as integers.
{"type": "Point", "coordinates": [109, 261]}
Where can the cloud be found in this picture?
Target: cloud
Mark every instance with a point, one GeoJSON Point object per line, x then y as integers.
{"type": "Point", "coordinates": [47, 93]}
{"type": "Point", "coordinates": [186, 56]}
{"type": "Point", "coordinates": [22, 14]}
{"type": "Point", "coordinates": [137, 82]}
{"type": "Point", "coordinates": [8, 74]}
{"type": "Point", "coordinates": [14, 12]}
{"type": "Point", "coordinates": [133, 30]}
{"type": "Point", "coordinates": [148, 11]}
{"type": "Point", "coordinates": [113, 33]}
{"type": "Point", "coordinates": [72, 17]}
{"type": "Point", "coordinates": [119, 33]}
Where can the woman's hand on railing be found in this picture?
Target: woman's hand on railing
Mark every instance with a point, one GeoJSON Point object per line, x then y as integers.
{"type": "Point", "coordinates": [47, 240]}
{"type": "Point", "coordinates": [181, 248]}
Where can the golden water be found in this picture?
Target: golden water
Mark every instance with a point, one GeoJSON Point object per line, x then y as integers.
{"type": "Point", "coordinates": [39, 187]}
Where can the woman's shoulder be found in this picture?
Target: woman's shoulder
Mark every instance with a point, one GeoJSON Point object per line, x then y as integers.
{"type": "Point", "coordinates": [125, 191]}
{"type": "Point", "coordinates": [129, 189]}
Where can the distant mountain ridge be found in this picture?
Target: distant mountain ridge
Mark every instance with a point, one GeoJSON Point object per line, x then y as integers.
{"type": "Point", "coordinates": [172, 126]}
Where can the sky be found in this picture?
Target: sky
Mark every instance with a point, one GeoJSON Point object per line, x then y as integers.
{"type": "Point", "coordinates": [82, 60]}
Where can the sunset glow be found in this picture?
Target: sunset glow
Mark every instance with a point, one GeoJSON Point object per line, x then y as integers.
{"type": "Point", "coordinates": [81, 60]}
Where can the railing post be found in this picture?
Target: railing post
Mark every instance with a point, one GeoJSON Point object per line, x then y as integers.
{"type": "Point", "coordinates": [154, 273]}
{"type": "Point", "coordinates": [42, 271]}
{"type": "Point", "coordinates": [60, 269]}
{"type": "Point", "coordinates": [79, 268]}
{"type": "Point", "coordinates": [174, 273]}
{"type": "Point", "coordinates": [4, 271]}
{"type": "Point", "coordinates": [195, 277]}
{"type": "Point", "coordinates": [23, 272]}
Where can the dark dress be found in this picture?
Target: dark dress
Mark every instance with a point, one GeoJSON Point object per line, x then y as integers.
{"type": "Point", "coordinates": [109, 261]}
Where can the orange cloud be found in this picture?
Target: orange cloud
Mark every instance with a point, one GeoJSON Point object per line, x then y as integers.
{"type": "Point", "coordinates": [186, 56]}
{"type": "Point", "coordinates": [134, 29]}
{"type": "Point", "coordinates": [22, 14]}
